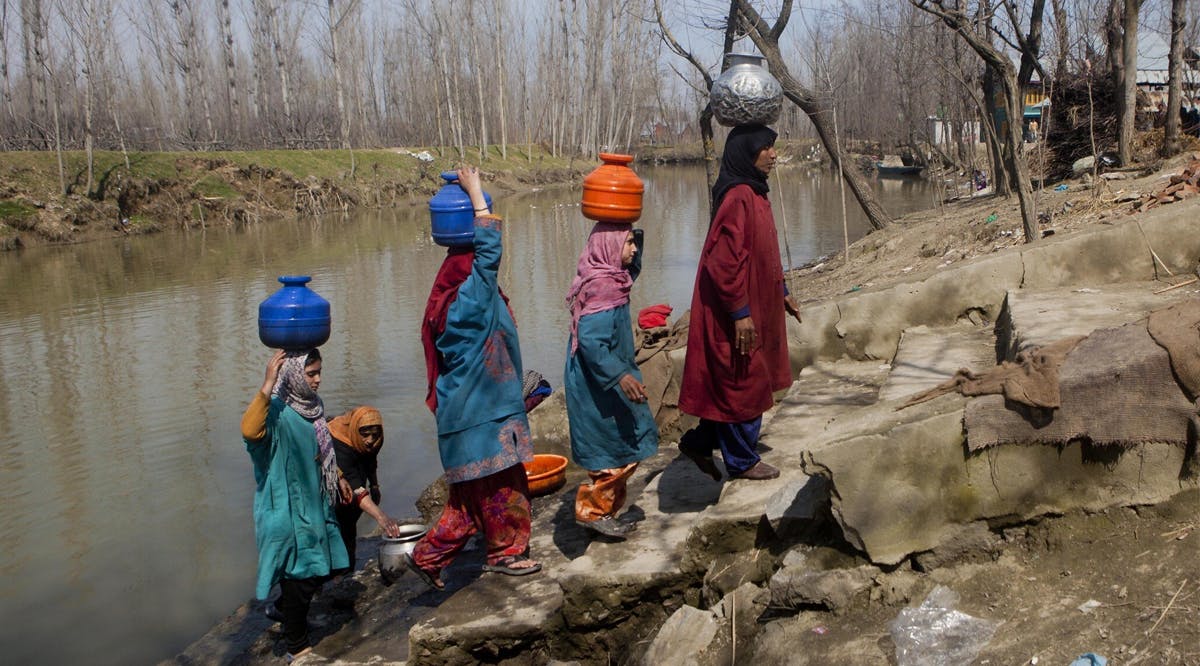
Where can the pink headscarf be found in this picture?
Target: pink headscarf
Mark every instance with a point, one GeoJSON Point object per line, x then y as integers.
{"type": "Point", "coordinates": [601, 282]}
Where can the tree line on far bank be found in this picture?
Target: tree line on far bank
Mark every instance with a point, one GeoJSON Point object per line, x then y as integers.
{"type": "Point", "coordinates": [576, 76]}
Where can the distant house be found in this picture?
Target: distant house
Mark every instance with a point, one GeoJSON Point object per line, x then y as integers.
{"type": "Point", "coordinates": [1153, 74]}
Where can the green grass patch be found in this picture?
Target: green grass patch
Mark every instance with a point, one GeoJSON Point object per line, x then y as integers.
{"type": "Point", "coordinates": [211, 186]}
{"type": "Point", "coordinates": [35, 174]}
{"type": "Point", "coordinates": [12, 210]}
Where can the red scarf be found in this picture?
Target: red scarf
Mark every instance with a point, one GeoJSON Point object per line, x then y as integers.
{"type": "Point", "coordinates": [454, 271]}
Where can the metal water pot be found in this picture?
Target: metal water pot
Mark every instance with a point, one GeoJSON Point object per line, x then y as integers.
{"type": "Point", "coordinates": [746, 93]}
{"type": "Point", "coordinates": [393, 550]}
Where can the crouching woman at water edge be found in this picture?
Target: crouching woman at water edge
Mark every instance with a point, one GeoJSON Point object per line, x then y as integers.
{"type": "Point", "coordinates": [357, 439]}
{"type": "Point", "coordinates": [299, 544]}
{"type": "Point", "coordinates": [473, 368]}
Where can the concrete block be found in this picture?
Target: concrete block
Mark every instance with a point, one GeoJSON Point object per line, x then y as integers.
{"type": "Point", "coordinates": [929, 356]}
{"type": "Point", "coordinates": [1036, 317]}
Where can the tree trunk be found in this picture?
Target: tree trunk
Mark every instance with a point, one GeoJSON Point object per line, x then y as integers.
{"type": "Point", "coordinates": [227, 51]}
{"type": "Point", "coordinates": [1062, 37]}
{"type": "Point", "coordinates": [334, 21]}
{"type": "Point", "coordinates": [477, 69]}
{"type": "Point", "coordinates": [1114, 38]}
{"type": "Point", "coordinates": [1000, 183]}
{"type": "Point", "coordinates": [501, 77]}
{"type": "Point", "coordinates": [1171, 130]}
{"type": "Point", "coordinates": [39, 73]}
{"type": "Point", "coordinates": [1127, 97]}
{"type": "Point", "coordinates": [6, 82]}
{"type": "Point", "coordinates": [281, 68]}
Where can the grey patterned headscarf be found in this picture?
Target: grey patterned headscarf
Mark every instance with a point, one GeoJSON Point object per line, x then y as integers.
{"type": "Point", "coordinates": [292, 388]}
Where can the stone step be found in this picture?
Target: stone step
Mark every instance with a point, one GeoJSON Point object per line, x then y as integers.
{"type": "Point", "coordinates": [928, 356]}
{"type": "Point", "coordinates": [587, 583]}
{"type": "Point", "coordinates": [823, 393]}
{"type": "Point", "coordinates": [1031, 318]}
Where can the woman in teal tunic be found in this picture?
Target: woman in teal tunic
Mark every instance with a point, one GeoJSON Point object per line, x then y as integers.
{"type": "Point", "coordinates": [299, 543]}
{"type": "Point", "coordinates": [612, 428]}
{"type": "Point", "coordinates": [473, 368]}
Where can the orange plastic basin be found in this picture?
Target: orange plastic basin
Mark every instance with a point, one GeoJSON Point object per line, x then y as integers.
{"type": "Point", "coordinates": [547, 473]}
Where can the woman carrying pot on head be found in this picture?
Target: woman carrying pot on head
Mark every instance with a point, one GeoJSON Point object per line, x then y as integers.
{"type": "Point", "coordinates": [287, 437]}
{"type": "Point", "coordinates": [357, 439]}
{"type": "Point", "coordinates": [612, 429]}
{"type": "Point", "coordinates": [473, 368]}
{"type": "Point", "coordinates": [737, 352]}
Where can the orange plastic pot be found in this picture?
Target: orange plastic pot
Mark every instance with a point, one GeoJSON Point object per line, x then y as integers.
{"type": "Point", "coordinates": [547, 473]}
{"type": "Point", "coordinates": [613, 192]}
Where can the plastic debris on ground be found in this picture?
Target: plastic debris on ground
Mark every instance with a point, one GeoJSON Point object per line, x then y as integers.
{"type": "Point", "coordinates": [935, 634]}
{"type": "Point", "coordinates": [992, 218]}
{"type": "Point", "coordinates": [1089, 606]}
{"type": "Point", "coordinates": [1062, 188]}
{"type": "Point", "coordinates": [1090, 659]}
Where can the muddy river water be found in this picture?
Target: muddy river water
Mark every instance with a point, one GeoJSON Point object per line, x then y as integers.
{"type": "Point", "coordinates": [125, 365]}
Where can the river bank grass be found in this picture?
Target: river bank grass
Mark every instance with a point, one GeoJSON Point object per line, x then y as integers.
{"type": "Point", "coordinates": [161, 190]}
{"type": "Point", "coordinates": [145, 192]}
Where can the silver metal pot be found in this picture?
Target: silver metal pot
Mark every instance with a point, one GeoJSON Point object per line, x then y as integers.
{"type": "Point", "coordinates": [393, 550]}
{"type": "Point", "coordinates": [746, 93]}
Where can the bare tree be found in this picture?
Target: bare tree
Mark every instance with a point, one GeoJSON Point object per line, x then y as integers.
{"type": "Point", "coordinates": [478, 72]}
{"type": "Point", "coordinates": [225, 19]}
{"type": "Point", "coordinates": [333, 22]}
{"type": "Point", "coordinates": [191, 62]}
{"type": "Point", "coordinates": [86, 24]}
{"type": "Point", "coordinates": [1014, 102]}
{"type": "Point", "coordinates": [37, 66]}
{"type": "Point", "coordinates": [500, 13]}
{"type": "Point", "coordinates": [5, 81]}
{"type": "Point", "coordinates": [1127, 81]}
{"type": "Point", "coordinates": [1171, 143]}
{"type": "Point", "coordinates": [766, 38]}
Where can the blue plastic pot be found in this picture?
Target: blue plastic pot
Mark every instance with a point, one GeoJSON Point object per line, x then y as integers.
{"type": "Point", "coordinates": [294, 318]}
{"type": "Point", "coordinates": [451, 215]}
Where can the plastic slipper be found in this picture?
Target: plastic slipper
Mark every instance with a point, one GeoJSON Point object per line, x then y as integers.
{"type": "Point", "coordinates": [505, 566]}
{"type": "Point", "coordinates": [429, 580]}
{"type": "Point", "coordinates": [608, 526]}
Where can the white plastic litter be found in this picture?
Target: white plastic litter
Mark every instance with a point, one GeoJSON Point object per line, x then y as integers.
{"type": "Point", "coordinates": [934, 634]}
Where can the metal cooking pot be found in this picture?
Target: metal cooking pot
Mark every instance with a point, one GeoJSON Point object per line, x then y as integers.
{"type": "Point", "coordinates": [746, 93]}
{"type": "Point", "coordinates": [393, 550]}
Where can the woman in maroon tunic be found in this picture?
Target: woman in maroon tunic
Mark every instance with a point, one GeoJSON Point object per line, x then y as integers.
{"type": "Point", "coordinates": [737, 342]}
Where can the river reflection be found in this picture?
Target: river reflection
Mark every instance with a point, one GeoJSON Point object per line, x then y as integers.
{"type": "Point", "coordinates": [124, 485]}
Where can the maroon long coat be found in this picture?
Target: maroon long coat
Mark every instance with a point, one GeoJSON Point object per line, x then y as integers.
{"type": "Point", "coordinates": [739, 266]}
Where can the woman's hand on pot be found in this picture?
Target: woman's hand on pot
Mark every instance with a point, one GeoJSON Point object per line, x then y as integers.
{"type": "Point", "coordinates": [272, 373]}
{"type": "Point", "coordinates": [468, 179]}
{"type": "Point", "coordinates": [390, 527]}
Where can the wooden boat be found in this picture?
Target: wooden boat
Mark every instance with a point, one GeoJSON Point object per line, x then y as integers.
{"type": "Point", "coordinates": [886, 171]}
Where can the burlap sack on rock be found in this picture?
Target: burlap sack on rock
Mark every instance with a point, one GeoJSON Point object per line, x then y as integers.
{"type": "Point", "coordinates": [1117, 388]}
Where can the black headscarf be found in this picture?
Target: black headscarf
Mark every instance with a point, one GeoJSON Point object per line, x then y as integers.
{"type": "Point", "coordinates": [737, 163]}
